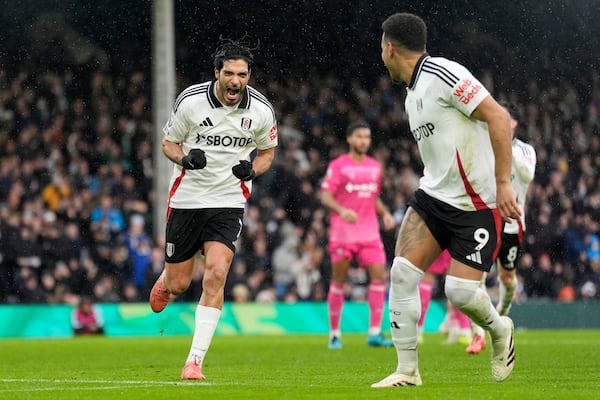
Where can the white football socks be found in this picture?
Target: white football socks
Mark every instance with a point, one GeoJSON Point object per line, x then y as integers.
{"type": "Point", "coordinates": [405, 309]}
{"type": "Point", "coordinates": [477, 330]}
{"type": "Point", "coordinates": [206, 322]}
{"type": "Point", "coordinates": [473, 301]}
{"type": "Point", "coordinates": [506, 296]}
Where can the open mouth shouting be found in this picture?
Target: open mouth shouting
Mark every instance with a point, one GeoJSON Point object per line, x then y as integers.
{"type": "Point", "coordinates": [232, 94]}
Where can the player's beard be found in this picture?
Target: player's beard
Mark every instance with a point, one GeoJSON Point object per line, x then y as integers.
{"type": "Point", "coordinates": [359, 150]}
{"type": "Point", "coordinates": [224, 91]}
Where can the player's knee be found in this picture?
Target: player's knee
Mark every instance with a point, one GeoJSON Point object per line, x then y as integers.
{"type": "Point", "coordinates": [404, 273]}
{"type": "Point", "coordinates": [507, 278]}
{"type": "Point", "coordinates": [460, 292]}
{"type": "Point", "coordinates": [215, 277]}
{"type": "Point", "coordinates": [178, 286]}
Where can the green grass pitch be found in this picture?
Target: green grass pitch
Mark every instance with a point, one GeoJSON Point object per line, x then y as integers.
{"type": "Point", "coordinates": [549, 365]}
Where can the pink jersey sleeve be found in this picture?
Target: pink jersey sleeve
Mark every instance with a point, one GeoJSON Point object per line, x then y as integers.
{"type": "Point", "coordinates": [332, 177]}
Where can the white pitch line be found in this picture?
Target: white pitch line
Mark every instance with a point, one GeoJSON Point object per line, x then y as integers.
{"type": "Point", "coordinates": [564, 342]}
{"type": "Point", "coordinates": [79, 389]}
{"type": "Point", "coordinates": [113, 384]}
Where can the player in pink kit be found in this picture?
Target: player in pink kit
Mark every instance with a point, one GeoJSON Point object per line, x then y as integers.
{"type": "Point", "coordinates": [459, 325]}
{"type": "Point", "coordinates": [350, 190]}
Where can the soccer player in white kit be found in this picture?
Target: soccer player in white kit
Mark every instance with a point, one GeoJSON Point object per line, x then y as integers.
{"type": "Point", "coordinates": [523, 170]}
{"type": "Point", "coordinates": [214, 128]}
{"type": "Point", "coordinates": [464, 195]}
{"type": "Point", "coordinates": [350, 190]}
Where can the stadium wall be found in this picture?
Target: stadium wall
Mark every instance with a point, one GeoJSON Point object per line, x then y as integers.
{"type": "Point", "coordinates": [37, 321]}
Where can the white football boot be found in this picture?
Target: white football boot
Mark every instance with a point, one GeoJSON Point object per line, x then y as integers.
{"type": "Point", "coordinates": [503, 353]}
{"type": "Point", "coordinates": [398, 379]}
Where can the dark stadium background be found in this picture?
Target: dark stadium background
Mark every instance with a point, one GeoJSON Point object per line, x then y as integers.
{"type": "Point", "coordinates": [520, 38]}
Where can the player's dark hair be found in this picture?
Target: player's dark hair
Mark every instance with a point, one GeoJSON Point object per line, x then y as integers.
{"type": "Point", "coordinates": [512, 109]}
{"type": "Point", "coordinates": [230, 49]}
{"type": "Point", "coordinates": [406, 29]}
{"type": "Point", "coordinates": [356, 125]}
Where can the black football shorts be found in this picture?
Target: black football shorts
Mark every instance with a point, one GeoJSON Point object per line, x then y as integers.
{"type": "Point", "coordinates": [187, 230]}
{"type": "Point", "coordinates": [471, 237]}
{"type": "Point", "coordinates": [510, 250]}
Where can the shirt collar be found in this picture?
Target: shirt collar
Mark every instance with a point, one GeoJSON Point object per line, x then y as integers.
{"type": "Point", "coordinates": [417, 70]}
{"type": "Point", "coordinates": [216, 103]}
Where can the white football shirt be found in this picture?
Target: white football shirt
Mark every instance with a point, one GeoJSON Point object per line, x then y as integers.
{"type": "Point", "coordinates": [455, 149]}
{"type": "Point", "coordinates": [523, 170]}
{"type": "Point", "coordinates": [227, 135]}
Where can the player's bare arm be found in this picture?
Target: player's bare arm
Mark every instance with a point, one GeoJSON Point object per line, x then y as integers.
{"type": "Point", "coordinates": [498, 121]}
{"type": "Point", "coordinates": [331, 204]}
{"type": "Point", "coordinates": [415, 241]}
{"type": "Point", "coordinates": [386, 217]}
{"type": "Point", "coordinates": [263, 160]}
{"type": "Point", "coordinates": [172, 151]}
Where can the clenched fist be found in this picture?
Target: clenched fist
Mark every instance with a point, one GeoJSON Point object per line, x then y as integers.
{"type": "Point", "coordinates": [243, 170]}
{"type": "Point", "coordinates": [195, 159]}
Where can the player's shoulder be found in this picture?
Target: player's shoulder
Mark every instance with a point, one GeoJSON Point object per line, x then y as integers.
{"type": "Point", "coordinates": [259, 102]}
{"type": "Point", "coordinates": [192, 93]}
{"type": "Point", "coordinates": [524, 147]}
{"type": "Point", "coordinates": [444, 70]}
{"type": "Point", "coordinates": [338, 161]}
{"type": "Point", "coordinates": [444, 63]}
{"type": "Point", "coordinates": [372, 160]}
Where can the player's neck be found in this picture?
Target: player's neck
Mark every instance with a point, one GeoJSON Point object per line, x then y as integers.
{"type": "Point", "coordinates": [358, 157]}
{"type": "Point", "coordinates": [408, 65]}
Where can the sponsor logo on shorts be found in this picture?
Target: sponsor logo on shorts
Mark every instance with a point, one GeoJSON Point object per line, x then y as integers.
{"type": "Point", "coordinates": [170, 249]}
{"type": "Point", "coordinates": [475, 257]}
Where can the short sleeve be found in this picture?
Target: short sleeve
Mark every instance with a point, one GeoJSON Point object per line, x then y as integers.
{"type": "Point", "coordinates": [176, 128]}
{"type": "Point", "coordinates": [467, 93]}
{"type": "Point", "coordinates": [331, 180]}
{"type": "Point", "coordinates": [268, 137]}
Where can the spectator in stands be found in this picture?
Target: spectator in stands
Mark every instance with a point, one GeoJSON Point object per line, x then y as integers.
{"type": "Point", "coordinates": [87, 319]}
{"type": "Point", "coordinates": [241, 293]}
{"type": "Point", "coordinates": [106, 217]}
{"type": "Point", "coordinates": [139, 246]}
{"type": "Point", "coordinates": [52, 291]}
{"type": "Point", "coordinates": [157, 263]}
{"type": "Point", "coordinates": [307, 268]}
{"type": "Point", "coordinates": [57, 190]}
{"type": "Point", "coordinates": [539, 280]}
{"type": "Point", "coordinates": [29, 289]}
{"type": "Point", "coordinates": [285, 255]}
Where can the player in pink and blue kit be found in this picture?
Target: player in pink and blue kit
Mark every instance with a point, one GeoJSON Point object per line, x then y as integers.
{"type": "Point", "coordinates": [350, 190]}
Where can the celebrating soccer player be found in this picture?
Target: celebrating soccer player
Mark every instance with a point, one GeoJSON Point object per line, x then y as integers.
{"type": "Point", "coordinates": [464, 139]}
{"type": "Point", "coordinates": [212, 131]}
{"type": "Point", "coordinates": [350, 191]}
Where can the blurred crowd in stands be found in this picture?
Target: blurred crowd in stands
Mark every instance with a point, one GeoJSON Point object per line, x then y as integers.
{"type": "Point", "coordinates": [76, 189]}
